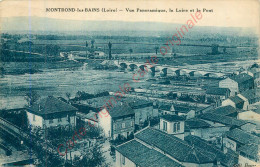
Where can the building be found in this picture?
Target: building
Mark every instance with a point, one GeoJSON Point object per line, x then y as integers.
{"type": "Point", "coordinates": [118, 122]}
{"type": "Point", "coordinates": [134, 153]}
{"type": "Point", "coordinates": [51, 112]}
{"type": "Point", "coordinates": [237, 83]}
{"type": "Point", "coordinates": [234, 101]}
{"type": "Point", "coordinates": [172, 124]}
{"type": "Point", "coordinates": [250, 96]}
{"type": "Point", "coordinates": [144, 111]}
{"type": "Point", "coordinates": [225, 159]}
{"type": "Point", "coordinates": [217, 93]}
{"type": "Point", "coordinates": [255, 73]}
{"type": "Point", "coordinates": [226, 111]}
{"type": "Point", "coordinates": [197, 127]}
{"type": "Point", "coordinates": [169, 146]}
{"type": "Point", "coordinates": [187, 112]}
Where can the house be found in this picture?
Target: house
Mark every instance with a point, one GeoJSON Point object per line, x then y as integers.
{"type": "Point", "coordinates": [135, 153]}
{"type": "Point", "coordinates": [219, 93]}
{"type": "Point", "coordinates": [172, 124]}
{"type": "Point", "coordinates": [175, 148]}
{"type": "Point", "coordinates": [197, 127]}
{"type": "Point", "coordinates": [144, 110]}
{"type": "Point", "coordinates": [250, 96]}
{"type": "Point", "coordinates": [250, 115]}
{"type": "Point", "coordinates": [118, 121]}
{"type": "Point", "coordinates": [237, 138]}
{"type": "Point", "coordinates": [226, 159]}
{"type": "Point", "coordinates": [226, 111]}
{"type": "Point", "coordinates": [234, 101]}
{"type": "Point", "coordinates": [249, 154]}
{"type": "Point", "coordinates": [237, 83]}
{"type": "Point", "coordinates": [255, 73]}
{"type": "Point", "coordinates": [187, 112]}
{"type": "Point", "coordinates": [51, 112]}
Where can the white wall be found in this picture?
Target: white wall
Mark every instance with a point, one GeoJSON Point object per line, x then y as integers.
{"type": "Point", "coordinates": [105, 122]}
{"type": "Point", "coordinates": [229, 83]}
{"type": "Point", "coordinates": [128, 163]}
{"type": "Point", "coordinates": [38, 119]}
{"type": "Point", "coordinates": [228, 102]}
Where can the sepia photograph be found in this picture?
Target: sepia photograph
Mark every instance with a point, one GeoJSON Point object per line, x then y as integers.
{"type": "Point", "coordinates": [110, 83]}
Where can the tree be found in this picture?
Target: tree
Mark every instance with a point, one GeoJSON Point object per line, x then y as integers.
{"type": "Point", "coordinates": [92, 43]}
{"type": "Point", "coordinates": [131, 51]}
{"type": "Point", "coordinates": [32, 97]}
{"type": "Point", "coordinates": [68, 95]}
{"type": "Point", "coordinates": [156, 49]}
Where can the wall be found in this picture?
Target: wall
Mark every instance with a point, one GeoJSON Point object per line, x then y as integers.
{"type": "Point", "coordinates": [64, 122]}
{"type": "Point", "coordinates": [118, 129]}
{"type": "Point", "coordinates": [38, 119]}
{"type": "Point", "coordinates": [144, 113]}
{"type": "Point", "coordinates": [128, 163]}
{"type": "Point", "coordinates": [228, 102]}
{"type": "Point", "coordinates": [170, 128]}
{"type": "Point", "coordinates": [229, 83]}
{"type": "Point", "coordinates": [105, 122]}
{"type": "Point", "coordinates": [228, 143]}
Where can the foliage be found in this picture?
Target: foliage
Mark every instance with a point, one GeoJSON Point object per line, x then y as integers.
{"type": "Point", "coordinates": [32, 97]}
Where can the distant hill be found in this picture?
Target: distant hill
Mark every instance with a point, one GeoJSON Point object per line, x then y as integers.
{"type": "Point", "coordinates": [41, 24]}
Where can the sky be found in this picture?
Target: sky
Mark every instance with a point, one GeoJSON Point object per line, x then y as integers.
{"type": "Point", "coordinates": [226, 13]}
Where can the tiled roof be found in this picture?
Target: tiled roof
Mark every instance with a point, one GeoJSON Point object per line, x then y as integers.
{"type": "Point", "coordinates": [236, 99]}
{"type": "Point", "coordinates": [121, 110]}
{"type": "Point", "coordinates": [138, 103]}
{"type": "Point", "coordinates": [222, 119]}
{"type": "Point", "coordinates": [195, 123]}
{"type": "Point", "coordinates": [51, 105]}
{"type": "Point", "coordinates": [217, 91]}
{"type": "Point", "coordinates": [251, 94]}
{"type": "Point", "coordinates": [144, 156]}
{"type": "Point", "coordinates": [242, 137]}
{"type": "Point", "coordinates": [172, 118]}
{"type": "Point", "coordinates": [179, 108]}
{"type": "Point", "coordinates": [250, 149]}
{"type": "Point", "coordinates": [224, 110]}
{"type": "Point", "coordinates": [241, 78]}
{"type": "Point", "coordinates": [225, 159]}
{"type": "Point", "coordinates": [175, 147]}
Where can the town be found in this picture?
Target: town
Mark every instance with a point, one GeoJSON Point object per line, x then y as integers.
{"type": "Point", "coordinates": [75, 100]}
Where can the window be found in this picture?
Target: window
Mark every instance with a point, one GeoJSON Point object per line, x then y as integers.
{"type": "Point", "coordinates": [59, 120]}
{"type": "Point", "coordinates": [33, 117]}
{"type": "Point", "coordinates": [164, 125]}
{"type": "Point", "coordinates": [178, 126]}
{"type": "Point", "coordinates": [123, 125]}
{"type": "Point", "coordinates": [132, 123]}
{"type": "Point", "coordinates": [123, 160]}
{"type": "Point", "coordinates": [174, 127]}
{"type": "Point", "coordinates": [51, 121]}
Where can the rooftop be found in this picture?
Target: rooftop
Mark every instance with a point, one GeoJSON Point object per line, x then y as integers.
{"type": "Point", "coordinates": [217, 91]}
{"type": "Point", "coordinates": [172, 118]}
{"type": "Point", "coordinates": [236, 99]}
{"type": "Point", "coordinates": [243, 137]}
{"type": "Point", "coordinates": [51, 105]}
{"type": "Point", "coordinates": [252, 150]}
{"type": "Point", "coordinates": [251, 94]}
{"type": "Point", "coordinates": [175, 147]}
{"type": "Point", "coordinates": [241, 78]}
{"type": "Point", "coordinates": [144, 156]}
{"type": "Point", "coordinates": [121, 110]}
{"type": "Point", "coordinates": [224, 110]}
{"type": "Point", "coordinates": [195, 123]}
{"type": "Point", "coordinates": [222, 119]}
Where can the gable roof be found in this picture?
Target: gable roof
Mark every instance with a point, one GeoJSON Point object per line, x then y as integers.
{"type": "Point", "coordinates": [242, 136]}
{"type": "Point", "coordinates": [241, 78]}
{"type": "Point", "coordinates": [225, 159]}
{"type": "Point", "coordinates": [175, 147]}
{"type": "Point", "coordinates": [172, 118]}
{"type": "Point", "coordinates": [144, 156]}
{"type": "Point", "coordinates": [222, 119]}
{"type": "Point", "coordinates": [224, 110]}
{"type": "Point", "coordinates": [51, 105]}
{"type": "Point", "coordinates": [135, 104]}
{"type": "Point", "coordinates": [217, 91]}
{"type": "Point", "coordinates": [121, 110]}
{"type": "Point", "coordinates": [250, 149]}
{"type": "Point", "coordinates": [251, 94]}
{"type": "Point", "coordinates": [236, 99]}
{"type": "Point", "coordinates": [195, 123]}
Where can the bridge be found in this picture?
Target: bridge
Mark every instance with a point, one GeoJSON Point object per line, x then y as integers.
{"type": "Point", "coordinates": [165, 70]}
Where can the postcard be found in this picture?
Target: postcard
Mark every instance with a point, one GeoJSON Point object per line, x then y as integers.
{"type": "Point", "coordinates": [111, 83]}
